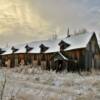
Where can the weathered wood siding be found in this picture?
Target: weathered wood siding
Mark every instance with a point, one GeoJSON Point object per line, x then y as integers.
{"type": "Point", "coordinates": [7, 61]}
{"type": "Point", "coordinates": [41, 60]}
{"type": "Point", "coordinates": [21, 58]}
{"type": "Point", "coordinates": [16, 60]}
{"type": "Point", "coordinates": [77, 57]}
{"type": "Point", "coordinates": [92, 54]}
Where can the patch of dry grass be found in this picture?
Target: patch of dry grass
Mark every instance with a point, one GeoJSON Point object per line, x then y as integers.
{"type": "Point", "coordinates": [88, 96]}
{"type": "Point", "coordinates": [37, 84]}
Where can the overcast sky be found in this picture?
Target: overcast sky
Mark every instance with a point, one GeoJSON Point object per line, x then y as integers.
{"type": "Point", "coordinates": [27, 20]}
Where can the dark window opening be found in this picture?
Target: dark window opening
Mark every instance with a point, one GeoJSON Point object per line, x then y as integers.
{"type": "Point", "coordinates": [43, 57]}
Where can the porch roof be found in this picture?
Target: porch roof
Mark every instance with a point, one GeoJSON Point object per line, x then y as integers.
{"type": "Point", "coordinates": [60, 56]}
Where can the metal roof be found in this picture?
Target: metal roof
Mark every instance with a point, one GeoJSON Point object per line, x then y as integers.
{"type": "Point", "coordinates": [51, 44]}
{"type": "Point", "coordinates": [78, 41]}
{"type": "Point", "coordinates": [75, 41]}
{"type": "Point", "coordinates": [8, 51]}
{"type": "Point", "coordinates": [21, 50]}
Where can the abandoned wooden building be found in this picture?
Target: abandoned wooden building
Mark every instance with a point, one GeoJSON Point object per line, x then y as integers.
{"type": "Point", "coordinates": [75, 52]}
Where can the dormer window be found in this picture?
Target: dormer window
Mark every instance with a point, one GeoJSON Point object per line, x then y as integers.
{"type": "Point", "coordinates": [14, 49]}
{"type": "Point", "coordinates": [43, 48]}
{"type": "Point", "coordinates": [63, 45]}
{"type": "Point", "coordinates": [1, 51]}
{"type": "Point", "coordinates": [28, 48]}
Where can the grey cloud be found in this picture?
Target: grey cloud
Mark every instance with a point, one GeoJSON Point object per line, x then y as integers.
{"type": "Point", "coordinates": [52, 16]}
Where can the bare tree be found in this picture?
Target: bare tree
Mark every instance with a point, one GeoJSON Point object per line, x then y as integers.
{"type": "Point", "coordinates": [54, 36]}
{"type": "Point", "coordinates": [3, 87]}
{"type": "Point", "coordinates": [81, 31]}
{"type": "Point", "coordinates": [13, 96]}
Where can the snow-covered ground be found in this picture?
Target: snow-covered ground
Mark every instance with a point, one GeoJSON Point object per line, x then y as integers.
{"type": "Point", "coordinates": [35, 84]}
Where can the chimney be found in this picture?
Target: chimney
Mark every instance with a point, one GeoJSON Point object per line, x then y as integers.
{"type": "Point", "coordinates": [68, 34]}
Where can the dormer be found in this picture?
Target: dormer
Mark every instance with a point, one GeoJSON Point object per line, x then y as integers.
{"type": "Point", "coordinates": [28, 48]}
{"type": "Point", "coordinates": [63, 45]}
{"type": "Point", "coordinates": [43, 48]}
{"type": "Point", "coordinates": [14, 49]}
{"type": "Point", "coordinates": [1, 51]}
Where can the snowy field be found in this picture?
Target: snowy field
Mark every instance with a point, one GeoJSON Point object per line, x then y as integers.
{"type": "Point", "coordinates": [26, 83]}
